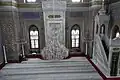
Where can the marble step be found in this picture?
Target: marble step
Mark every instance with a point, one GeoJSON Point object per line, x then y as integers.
{"type": "Point", "coordinates": [49, 68]}
{"type": "Point", "coordinates": [79, 59]}
{"type": "Point", "coordinates": [48, 61]}
{"type": "Point", "coordinates": [63, 76]}
{"type": "Point", "coordinates": [55, 62]}
{"type": "Point", "coordinates": [25, 72]}
{"type": "Point", "coordinates": [9, 66]}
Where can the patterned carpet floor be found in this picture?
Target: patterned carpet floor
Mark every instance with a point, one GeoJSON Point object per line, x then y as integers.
{"type": "Point", "coordinates": [77, 68]}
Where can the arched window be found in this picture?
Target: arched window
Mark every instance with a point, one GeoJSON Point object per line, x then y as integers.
{"type": "Point", "coordinates": [117, 36]}
{"type": "Point", "coordinates": [34, 37]}
{"type": "Point", "coordinates": [75, 36]}
{"type": "Point", "coordinates": [115, 31]}
{"type": "Point", "coordinates": [102, 29]}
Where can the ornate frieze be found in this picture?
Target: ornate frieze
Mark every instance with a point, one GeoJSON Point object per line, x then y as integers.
{"type": "Point", "coordinates": [54, 5]}
{"type": "Point", "coordinates": [8, 3]}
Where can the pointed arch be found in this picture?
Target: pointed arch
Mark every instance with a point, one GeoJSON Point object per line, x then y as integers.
{"type": "Point", "coordinates": [34, 37]}
{"type": "Point", "coordinates": [102, 29]}
{"type": "Point", "coordinates": [75, 36]}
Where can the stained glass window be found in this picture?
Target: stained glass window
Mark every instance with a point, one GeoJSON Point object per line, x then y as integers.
{"type": "Point", "coordinates": [75, 35]}
{"type": "Point", "coordinates": [34, 37]}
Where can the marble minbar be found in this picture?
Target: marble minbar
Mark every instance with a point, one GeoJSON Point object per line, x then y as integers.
{"type": "Point", "coordinates": [54, 22]}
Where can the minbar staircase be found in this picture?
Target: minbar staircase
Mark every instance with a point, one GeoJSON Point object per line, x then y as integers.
{"type": "Point", "coordinates": [77, 68]}
{"type": "Point", "coordinates": [105, 48]}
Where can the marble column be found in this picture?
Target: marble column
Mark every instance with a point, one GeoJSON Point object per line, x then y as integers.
{"type": "Point", "coordinates": [9, 23]}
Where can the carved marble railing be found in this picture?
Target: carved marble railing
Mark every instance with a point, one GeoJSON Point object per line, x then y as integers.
{"type": "Point", "coordinates": [106, 39]}
{"type": "Point", "coordinates": [99, 57]}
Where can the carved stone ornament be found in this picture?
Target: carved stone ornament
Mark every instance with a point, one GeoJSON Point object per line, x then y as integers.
{"type": "Point", "coordinates": [54, 4]}
{"type": "Point", "coordinates": [54, 30]}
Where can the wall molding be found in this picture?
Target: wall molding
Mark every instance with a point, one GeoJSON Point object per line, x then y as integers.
{"type": "Point", "coordinates": [8, 4]}
{"type": "Point", "coordinates": [70, 6]}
